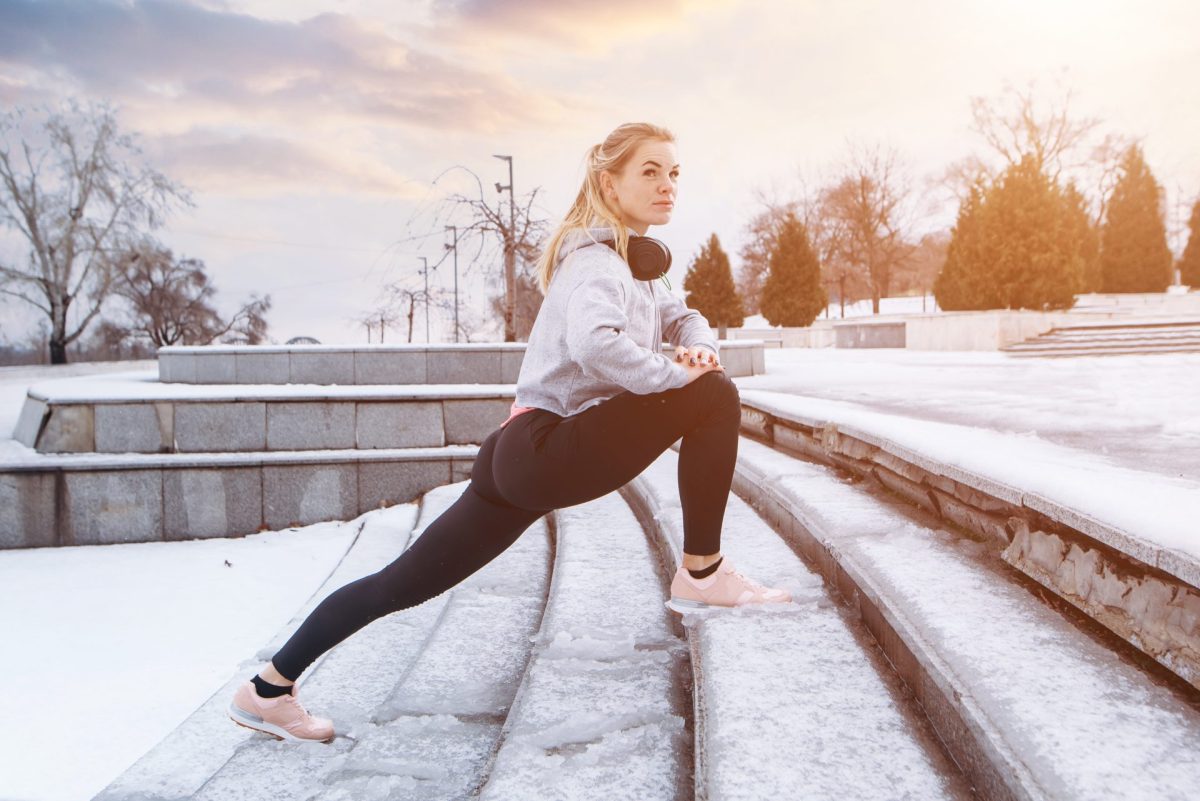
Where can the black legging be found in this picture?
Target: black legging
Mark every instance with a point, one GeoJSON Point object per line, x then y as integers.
{"type": "Point", "coordinates": [537, 463]}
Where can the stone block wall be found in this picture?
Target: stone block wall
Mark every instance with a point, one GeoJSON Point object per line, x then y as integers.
{"type": "Point", "coordinates": [1123, 588]}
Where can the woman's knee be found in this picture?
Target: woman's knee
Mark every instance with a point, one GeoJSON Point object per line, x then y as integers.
{"type": "Point", "coordinates": [721, 393]}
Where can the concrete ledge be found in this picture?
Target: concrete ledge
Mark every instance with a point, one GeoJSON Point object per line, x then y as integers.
{"type": "Point", "coordinates": [85, 500]}
{"type": "Point", "coordinates": [1146, 594]}
{"type": "Point", "coordinates": [476, 363]}
{"type": "Point", "coordinates": [295, 422]}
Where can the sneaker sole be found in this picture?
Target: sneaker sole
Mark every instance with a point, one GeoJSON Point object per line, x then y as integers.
{"type": "Point", "coordinates": [683, 606]}
{"type": "Point", "coordinates": [241, 718]}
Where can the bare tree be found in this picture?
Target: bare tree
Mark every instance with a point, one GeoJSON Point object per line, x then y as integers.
{"type": "Point", "coordinates": [403, 301]}
{"type": "Point", "coordinates": [503, 236]}
{"type": "Point", "coordinates": [169, 302]}
{"type": "Point", "coordinates": [1018, 126]}
{"type": "Point", "coordinates": [528, 303]}
{"type": "Point", "coordinates": [76, 189]}
{"type": "Point", "coordinates": [383, 316]}
{"type": "Point", "coordinates": [867, 214]}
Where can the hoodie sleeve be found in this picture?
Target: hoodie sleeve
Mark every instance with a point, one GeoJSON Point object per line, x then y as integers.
{"type": "Point", "coordinates": [681, 325]}
{"type": "Point", "coordinates": [597, 340]}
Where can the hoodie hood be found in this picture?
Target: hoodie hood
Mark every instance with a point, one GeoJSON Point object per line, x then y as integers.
{"type": "Point", "coordinates": [583, 237]}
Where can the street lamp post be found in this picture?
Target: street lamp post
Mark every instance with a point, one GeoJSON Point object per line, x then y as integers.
{"type": "Point", "coordinates": [510, 246]}
{"type": "Point", "coordinates": [454, 246]}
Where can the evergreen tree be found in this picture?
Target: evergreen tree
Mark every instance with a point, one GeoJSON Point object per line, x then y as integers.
{"type": "Point", "coordinates": [1079, 225]}
{"type": "Point", "coordinates": [710, 289]}
{"type": "Point", "coordinates": [793, 294]}
{"type": "Point", "coordinates": [1134, 256]}
{"type": "Point", "coordinates": [1018, 244]}
{"type": "Point", "coordinates": [1189, 265]}
{"type": "Point", "coordinates": [962, 282]}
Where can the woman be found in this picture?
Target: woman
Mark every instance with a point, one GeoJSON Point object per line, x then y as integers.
{"type": "Point", "coordinates": [596, 403]}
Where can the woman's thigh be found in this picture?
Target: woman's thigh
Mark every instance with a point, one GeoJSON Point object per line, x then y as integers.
{"type": "Point", "coordinates": [548, 462]}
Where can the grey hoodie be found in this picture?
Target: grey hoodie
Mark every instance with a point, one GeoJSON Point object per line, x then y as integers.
{"type": "Point", "coordinates": [599, 332]}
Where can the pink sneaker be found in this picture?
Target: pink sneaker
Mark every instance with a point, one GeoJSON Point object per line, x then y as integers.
{"type": "Point", "coordinates": [282, 717]}
{"type": "Point", "coordinates": [723, 588]}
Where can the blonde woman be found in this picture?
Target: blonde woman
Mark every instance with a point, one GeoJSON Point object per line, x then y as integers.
{"type": "Point", "coordinates": [596, 403]}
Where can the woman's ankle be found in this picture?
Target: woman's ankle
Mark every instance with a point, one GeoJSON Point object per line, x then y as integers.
{"type": "Point", "coordinates": [272, 676]}
{"type": "Point", "coordinates": [700, 561]}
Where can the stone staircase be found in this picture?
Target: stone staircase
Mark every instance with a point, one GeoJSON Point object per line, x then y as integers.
{"type": "Point", "coordinates": [229, 440]}
{"type": "Point", "coordinates": [953, 636]}
{"type": "Point", "coordinates": [911, 665]}
{"type": "Point", "coordinates": [1134, 337]}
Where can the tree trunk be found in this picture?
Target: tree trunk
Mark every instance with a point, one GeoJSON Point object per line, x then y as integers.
{"type": "Point", "coordinates": [510, 291]}
{"type": "Point", "coordinates": [58, 352]}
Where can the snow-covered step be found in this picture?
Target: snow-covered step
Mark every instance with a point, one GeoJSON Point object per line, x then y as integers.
{"type": "Point", "coordinates": [1031, 706]}
{"type": "Point", "coordinates": [602, 712]}
{"type": "Point", "coordinates": [202, 745]}
{"type": "Point", "coordinates": [1165, 337]}
{"type": "Point", "coordinates": [436, 732]}
{"type": "Point", "coordinates": [439, 703]}
{"type": "Point", "coordinates": [787, 701]}
{"type": "Point", "coordinates": [1101, 350]}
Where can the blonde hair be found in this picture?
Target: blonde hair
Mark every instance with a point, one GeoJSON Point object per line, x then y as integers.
{"type": "Point", "coordinates": [590, 209]}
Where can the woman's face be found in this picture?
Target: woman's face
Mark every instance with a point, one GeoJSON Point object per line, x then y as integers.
{"type": "Point", "coordinates": [643, 193]}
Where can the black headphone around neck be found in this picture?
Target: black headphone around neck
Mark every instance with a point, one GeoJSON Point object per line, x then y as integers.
{"type": "Point", "coordinates": [648, 258]}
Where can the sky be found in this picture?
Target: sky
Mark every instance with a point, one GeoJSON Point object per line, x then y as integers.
{"type": "Point", "coordinates": [311, 134]}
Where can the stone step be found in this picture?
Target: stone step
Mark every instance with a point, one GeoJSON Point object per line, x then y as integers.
{"type": "Point", "coordinates": [1112, 339]}
{"type": "Point", "coordinates": [86, 499]}
{"type": "Point", "coordinates": [1131, 349]}
{"type": "Point", "coordinates": [489, 362]}
{"type": "Point", "coordinates": [1046, 510]}
{"type": "Point", "coordinates": [1031, 705]}
{"type": "Point", "coordinates": [203, 743]}
{"type": "Point", "coordinates": [132, 413]}
{"type": "Point", "coordinates": [418, 698]}
{"type": "Point", "coordinates": [604, 709]}
{"type": "Point", "coordinates": [437, 730]}
{"type": "Point", "coordinates": [788, 698]}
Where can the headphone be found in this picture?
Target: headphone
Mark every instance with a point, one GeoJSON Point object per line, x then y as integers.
{"type": "Point", "coordinates": [648, 258]}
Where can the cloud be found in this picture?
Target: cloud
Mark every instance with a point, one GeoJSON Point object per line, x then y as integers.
{"type": "Point", "coordinates": [248, 164]}
{"type": "Point", "coordinates": [325, 67]}
{"type": "Point", "coordinates": [567, 24]}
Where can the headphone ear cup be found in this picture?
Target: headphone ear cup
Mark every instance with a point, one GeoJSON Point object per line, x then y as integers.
{"type": "Point", "coordinates": [648, 258]}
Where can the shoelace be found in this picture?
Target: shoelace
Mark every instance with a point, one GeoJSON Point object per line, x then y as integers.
{"type": "Point", "coordinates": [754, 585]}
{"type": "Point", "coordinates": [291, 699]}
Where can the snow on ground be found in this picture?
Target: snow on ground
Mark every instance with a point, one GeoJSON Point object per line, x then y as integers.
{"type": "Point", "coordinates": [1141, 412]}
{"type": "Point", "coordinates": [108, 647]}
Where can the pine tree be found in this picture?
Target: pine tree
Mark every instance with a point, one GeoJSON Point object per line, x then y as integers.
{"type": "Point", "coordinates": [1018, 244]}
{"type": "Point", "coordinates": [1134, 256]}
{"type": "Point", "coordinates": [1189, 265]}
{"type": "Point", "coordinates": [1079, 225]}
{"type": "Point", "coordinates": [962, 282]}
{"type": "Point", "coordinates": [710, 289]}
{"type": "Point", "coordinates": [793, 294]}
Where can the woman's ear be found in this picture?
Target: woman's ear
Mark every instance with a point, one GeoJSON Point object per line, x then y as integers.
{"type": "Point", "coordinates": [606, 185]}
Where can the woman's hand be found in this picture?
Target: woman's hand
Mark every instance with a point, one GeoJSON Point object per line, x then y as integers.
{"type": "Point", "coordinates": [697, 361]}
